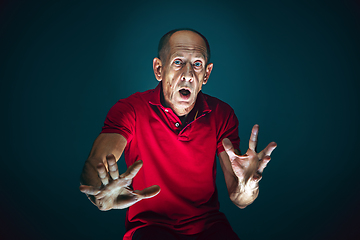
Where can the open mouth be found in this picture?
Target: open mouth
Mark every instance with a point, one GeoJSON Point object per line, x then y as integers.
{"type": "Point", "coordinates": [184, 92]}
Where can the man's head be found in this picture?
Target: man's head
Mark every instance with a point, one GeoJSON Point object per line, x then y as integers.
{"type": "Point", "coordinates": [183, 67]}
{"type": "Point", "coordinates": [163, 47]}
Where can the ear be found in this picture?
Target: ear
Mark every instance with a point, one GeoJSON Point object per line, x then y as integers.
{"type": "Point", "coordinates": [208, 70]}
{"type": "Point", "coordinates": [157, 67]}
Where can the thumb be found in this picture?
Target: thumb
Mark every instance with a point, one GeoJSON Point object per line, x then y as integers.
{"type": "Point", "coordinates": [148, 192]}
{"type": "Point", "coordinates": [229, 148]}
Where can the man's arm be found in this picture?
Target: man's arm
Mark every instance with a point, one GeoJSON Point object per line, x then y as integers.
{"type": "Point", "coordinates": [100, 176]}
{"type": "Point", "coordinates": [104, 145]}
{"type": "Point", "coordinates": [243, 173]}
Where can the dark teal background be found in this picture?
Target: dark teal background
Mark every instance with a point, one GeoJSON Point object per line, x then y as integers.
{"type": "Point", "coordinates": [291, 66]}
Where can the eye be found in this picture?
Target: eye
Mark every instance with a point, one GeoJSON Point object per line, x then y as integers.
{"type": "Point", "coordinates": [197, 64]}
{"type": "Point", "coordinates": [177, 62]}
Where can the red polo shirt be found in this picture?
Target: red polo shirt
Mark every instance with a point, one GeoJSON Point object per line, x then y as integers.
{"type": "Point", "coordinates": [179, 158]}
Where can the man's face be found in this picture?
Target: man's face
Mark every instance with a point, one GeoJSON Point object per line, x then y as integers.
{"type": "Point", "coordinates": [184, 71]}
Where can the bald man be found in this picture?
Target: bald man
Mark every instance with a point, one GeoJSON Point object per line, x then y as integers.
{"type": "Point", "coordinates": [170, 136]}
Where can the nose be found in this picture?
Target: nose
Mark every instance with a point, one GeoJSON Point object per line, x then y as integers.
{"type": "Point", "coordinates": [188, 73]}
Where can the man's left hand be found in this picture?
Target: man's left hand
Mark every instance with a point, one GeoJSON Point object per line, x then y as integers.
{"type": "Point", "coordinates": [250, 166]}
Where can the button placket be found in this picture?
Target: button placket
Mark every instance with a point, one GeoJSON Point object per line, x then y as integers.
{"type": "Point", "coordinates": [190, 123]}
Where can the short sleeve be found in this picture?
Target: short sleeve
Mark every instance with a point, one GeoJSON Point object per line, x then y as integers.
{"type": "Point", "coordinates": [229, 129]}
{"type": "Point", "coordinates": [121, 119]}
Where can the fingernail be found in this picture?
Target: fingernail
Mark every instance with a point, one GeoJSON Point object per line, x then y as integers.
{"type": "Point", "coordinates": [226, 140]}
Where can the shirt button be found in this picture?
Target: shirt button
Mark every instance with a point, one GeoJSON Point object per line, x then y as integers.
{"type": "Point", "coordinates": [166, 110]}
{"type": "Point", "coordinates": [177, 124]}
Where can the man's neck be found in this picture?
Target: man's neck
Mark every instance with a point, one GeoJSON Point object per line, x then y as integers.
{"type": "Point", "coordinates": [181, 113]}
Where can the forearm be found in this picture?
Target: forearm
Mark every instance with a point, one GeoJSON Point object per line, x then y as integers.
{"type": "Point", "coordinates": [104, 145]}
{"type": "Point", "coordinates": [89, 175]}
{"type": "Point", "coordinates": [243, 194]}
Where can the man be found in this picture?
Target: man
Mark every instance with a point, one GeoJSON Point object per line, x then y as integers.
{"type": "Point", "coordinates": [170, 136]}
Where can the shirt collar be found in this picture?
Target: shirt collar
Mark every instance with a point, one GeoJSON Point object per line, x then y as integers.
{"type": "Point", "coordinates": [200, 104]}
{"type": "Point", "coordinates": [154, 97]}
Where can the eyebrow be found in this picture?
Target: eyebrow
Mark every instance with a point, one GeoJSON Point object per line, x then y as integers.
{"type": "Point", "coordinates": [198, 55]}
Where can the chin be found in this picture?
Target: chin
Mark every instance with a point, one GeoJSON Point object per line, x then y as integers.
{"type": "Point", "coordinates": [184, 105]}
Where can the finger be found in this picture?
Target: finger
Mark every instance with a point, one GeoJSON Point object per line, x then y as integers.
{"type": "Point", "coordinates": [268, 150]}
{"type": "Point", "coordinates": [263, 163]}
{"type": "Point", "coordinates": [125, 201]}
{"type": "Point", "coordinates": [132, 170]}
{"type": "Point", "coordinates": [257, 176]}
{"type": "Point", "coordinates": [102, 174]}
{"type": "Point", "coordinates": [89, 190]}
{"type": "Point", "coordinates": [102, 193]}
{"type": "Point", "coordinates": [229, 148]}
{"type": "Point", "coordinates": [113, 167]}
{"type": "Point", "coordinates": [148, 192]}
{"type": "Point", "coordinates": [254, 137]}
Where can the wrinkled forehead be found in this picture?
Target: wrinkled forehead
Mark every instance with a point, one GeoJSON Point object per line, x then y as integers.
{"type": "Point", "coordinates": [187, 42]}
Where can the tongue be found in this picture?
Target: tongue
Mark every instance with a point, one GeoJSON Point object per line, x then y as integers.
{"type": "Point", "coordinates": [184, 92]}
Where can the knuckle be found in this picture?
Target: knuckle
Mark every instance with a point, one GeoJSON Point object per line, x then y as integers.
{"type": "Point", "coordinates": [99, 196]}
{"type": "Point", "coordinates": [257, 176]}
{"type": "Point", "coordinates": [102, 207]}
{"type": "Point", "coordinates": [125, 182]}
{"type": "Point", "coordinates": [267, 159]}
{"type": "Point", "coordinates": [113, 168]}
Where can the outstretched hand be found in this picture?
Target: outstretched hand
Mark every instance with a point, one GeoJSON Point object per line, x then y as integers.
{"type": "Point", "coordinates": [251, 165]}
{"type": "Point", "coordinates": [115, 192]}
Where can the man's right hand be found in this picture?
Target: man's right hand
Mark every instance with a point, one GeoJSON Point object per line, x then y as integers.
{"type": "Point", "coordinates": [115, 192]}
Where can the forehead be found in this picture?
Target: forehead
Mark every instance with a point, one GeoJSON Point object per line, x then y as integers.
{"type": "Point", "coordinates": [187, 42]}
